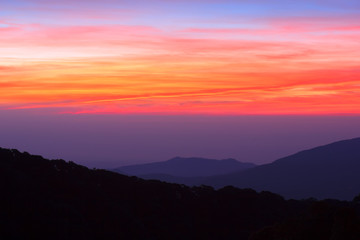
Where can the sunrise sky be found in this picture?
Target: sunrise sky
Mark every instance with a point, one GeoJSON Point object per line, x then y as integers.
{"type": "Point", "coordinates": [128, 81]}
{"type": "Point", "coordinates": [181, 57]}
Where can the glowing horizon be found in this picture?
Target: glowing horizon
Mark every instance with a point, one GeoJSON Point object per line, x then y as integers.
{"type": "Point", "coordinates": [183, 57]}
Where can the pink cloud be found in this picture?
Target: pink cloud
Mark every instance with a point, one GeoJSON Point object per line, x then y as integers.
{"type": "Point", "coordinates": [76, 36]}
{"type": "Point", "coordinates": [273, 41]}
{"type": "Point", "coordinates": [226, 30]}
{"type": "Point", "coordinates": [68, 15]}
{"type": "Point", "coordinates": [286, 25]}
{"type": "Point", "coordinates": [314, 23]}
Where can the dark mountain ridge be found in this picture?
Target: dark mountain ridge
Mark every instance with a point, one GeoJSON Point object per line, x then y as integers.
{"type": "Point", "coordinates": [186, 167]}
{"type": "Point", "coordinates": [189, 181]}
{"type": "Point", "coordinates": [43, 199]}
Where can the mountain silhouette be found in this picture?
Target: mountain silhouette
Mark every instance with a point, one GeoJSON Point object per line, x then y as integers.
{"type": "Point", "coordinates": [55, 199]}
{"type": "Point", "coordinates": [190, 181]}
{"type": "Point", "coordinates": [176, 168]}
{"type": "Point", "coordinates": [329, 171]}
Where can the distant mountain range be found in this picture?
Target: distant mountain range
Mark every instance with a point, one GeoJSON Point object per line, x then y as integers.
{"type": "Point", "coordinates": [184, 170]}
{"type": "Point", "coordinates": [330, 171]}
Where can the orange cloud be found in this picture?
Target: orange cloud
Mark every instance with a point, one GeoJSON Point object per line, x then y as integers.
{"type": "Point", "coordinates": [301, 69]}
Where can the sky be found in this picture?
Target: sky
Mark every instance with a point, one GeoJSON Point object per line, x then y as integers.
{"type": "Point", "coordinates": [112, 66]}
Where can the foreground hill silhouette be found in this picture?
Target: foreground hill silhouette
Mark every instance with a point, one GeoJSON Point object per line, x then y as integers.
{"type": "Point", "coordinates": [43, 199]}
{"type": "Point", "coordinates": [330, 171]}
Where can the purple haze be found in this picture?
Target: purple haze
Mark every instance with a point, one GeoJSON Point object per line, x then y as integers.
{"type": "Point", "coordinates": [108, 141]}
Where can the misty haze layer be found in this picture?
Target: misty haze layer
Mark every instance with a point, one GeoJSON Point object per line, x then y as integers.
{"type": "Point", "coordinates": [113, 140]}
